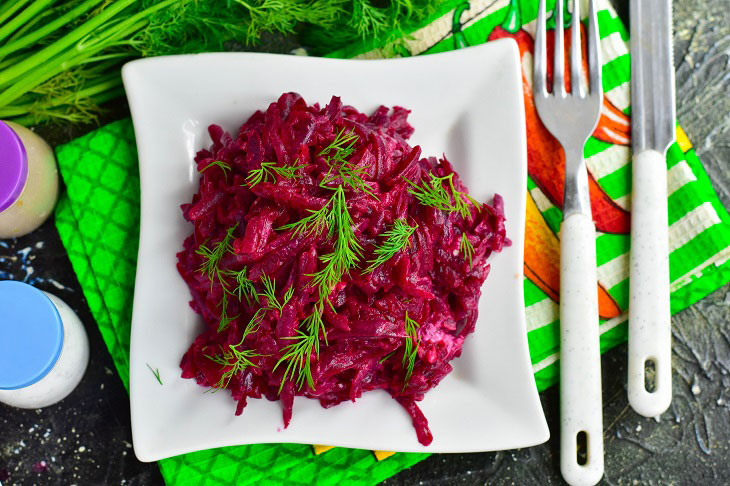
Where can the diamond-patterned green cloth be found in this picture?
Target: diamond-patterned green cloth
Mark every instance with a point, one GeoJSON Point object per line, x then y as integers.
{"type": "Point", "coordinates": [98, 221]}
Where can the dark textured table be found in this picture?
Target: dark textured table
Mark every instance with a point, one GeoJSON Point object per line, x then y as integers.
{"type": "Point", "coordinates": [86, 439]}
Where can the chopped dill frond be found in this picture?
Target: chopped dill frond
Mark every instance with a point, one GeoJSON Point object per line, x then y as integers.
{"type": "Point", "coordinates": [298, 354]}
{"type": "Point", "coordinates": [268, 170]}
{"type": "Point", "coordinates": [212, 256]}
{"type": "Point", "coordinates": [220, 164]}
{"type": "Point", "coordinates": [269, 292]}
{"type": "Point", "coordinates": [155, 372]}
{"type": "Point", "coordinates": [410, 352]}
{"type": "Point", "coordinates": [397, 238]}
{"type": "Point", "coordinates": [235, 359]}
{"type": "Point", "coordinates": [467, 249]}
{"type": "Point", "coordinates": [434, 194]}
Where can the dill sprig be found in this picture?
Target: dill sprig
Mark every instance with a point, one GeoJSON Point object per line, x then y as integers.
{"type": "Point", "coordinates": [272, 303]}
{"type": "Point", "coordinates": [342, 145]}
{"type": "Point", "coordinates": [244, 287]}
{"type": "Point", "coordinates": [156, 372]}
{"type": "Point", "coordinates": [410, 352]}
{"type": "Point", "coordinates": [234, 358]}
{"type": "Point", "coordinates": [268, 170]}
{"type": "Point", "coordinates": [467, 249]}
{"type": "Point", "coordinates": [212, 256]}
{"type": "Point", "coordinates": [346, 251]}
{"type": "Point", "coordinates": [220, 164]}
{"type": "Point", "coordinates": [434, 194]}
{"type": "Point", "coordinates": [225, 319]}
{"type": "Point", "coordinates": [298, 354]}
{"type": "Point", "coordinates": [336, 155]}
{"type": "Point", "coordinates": [210, 266]}
{"type": "Point", "coordinates": [312, 224]}
{"type": "Point", "coordinates": [386, 357]}
{"type": "Point", "coordinates": [397, 238]}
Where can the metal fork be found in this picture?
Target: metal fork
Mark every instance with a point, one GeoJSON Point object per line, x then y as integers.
{"type": "Point", "coordinates": [571, 118]}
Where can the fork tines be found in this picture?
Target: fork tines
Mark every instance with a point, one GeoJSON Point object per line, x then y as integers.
{"type": "Point", "coordinates": [576, 76]}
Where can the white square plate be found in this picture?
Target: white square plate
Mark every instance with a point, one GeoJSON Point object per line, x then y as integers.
{"type": "Point", "coordinates": [467, 104]}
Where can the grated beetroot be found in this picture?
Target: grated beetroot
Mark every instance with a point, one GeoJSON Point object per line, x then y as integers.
{"type": "Point", "coordinates": [431, 279]}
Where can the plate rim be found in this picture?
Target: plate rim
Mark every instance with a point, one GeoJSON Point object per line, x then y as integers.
{"type": "Point", "coordinates": [129, 71]}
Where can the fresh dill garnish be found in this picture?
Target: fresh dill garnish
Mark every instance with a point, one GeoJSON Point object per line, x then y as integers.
{"type": "Point", "coordinates": [225, 319]}
{"type": "Point", "coordinates": [218, 163]}
{"type": "Point", "coordinates": [467, 249]}
{"type": "Point", "coordinates": [346, 251]}
{"type": "Point", "coordinates": [268, 170]}
{"type": "Point", "coordinates": [211, 267]}
{"type": "Point", "coordinates": [212, 256]}
{"type": "Point", "coordinates": [155, 372]}
{"type": "Point", "coordinates": [342, 146]}
{"type": "Point", "coordinates": [397, 238]}
{"type": "Point", "coordinates": [386, 357]}
{"type": "Point", "coordinates": [244, 287]}
{"type": "Point", "coordinates": [434, 194]}
{"type": "Point", "coordinates": [234, 358]}
{"type": "Point", "coordinates": [312, 224]}
{"type": "Point", "coordinates": [269, 292]}
{"type": "Point", "coordinates": [410, 352]}
{"type": "Point", "coordinates": [336, 155]}
{"type": "Point", "coordinates": [298, 354]}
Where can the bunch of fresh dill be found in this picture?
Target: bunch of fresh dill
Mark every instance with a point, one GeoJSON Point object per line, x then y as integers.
{"type": "Point", "coordinates": [60, 59]}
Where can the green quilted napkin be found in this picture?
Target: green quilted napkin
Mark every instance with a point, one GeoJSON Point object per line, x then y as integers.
{"type": "Point", "coordinates": [98, 221]}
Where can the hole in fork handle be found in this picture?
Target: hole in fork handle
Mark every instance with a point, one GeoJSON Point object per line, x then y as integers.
{"type": "Point", "coordinates": [650, 375]}
{"type": "Point", "coordinates": [581, 448]}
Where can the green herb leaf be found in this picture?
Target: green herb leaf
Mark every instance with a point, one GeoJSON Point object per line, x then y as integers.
{"type": "Point", "coordinates": [244, 287]}
{"type": "Point", "coordinates": [347, 250]}
{"type": "Point", "coordinates": [220, 164]}
{"type": "Point", "coordinates": [312, 224]}
{"type": "Point", "coordinates": [386, 357]}
{"type": "Point", "coordinates": [268, 170]}
{"type": "Point", "coordinates": [155, 372]}
{"type": "Point", "coordinates": [410, 352]}
{"type": "Point", "coordinates": [342, 146]}
{"type": "Point", "coordinates": [269, 292]}
{"type": "Point", "coordinates": [397, 238]}
{"type": "Point", "coordinates": [298, 354]}
{"type": "Point", "coordinates": [336, 155]}
{"type": "Point", "coordinates": [212, 256]}
{"type": "Point", "coordinates": [467, 249]}
{"type": "Point", "coordinates": [235, 359]}
{"type": "Point", "coordinates": [434, 194]}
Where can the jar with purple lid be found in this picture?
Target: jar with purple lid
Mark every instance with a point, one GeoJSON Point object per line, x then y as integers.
{"type": "Point", "coordinates": [28, 180]}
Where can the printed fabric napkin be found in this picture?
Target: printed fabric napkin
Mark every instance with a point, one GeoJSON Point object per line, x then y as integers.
{"type": "Point", "coordinates": [98, 221]}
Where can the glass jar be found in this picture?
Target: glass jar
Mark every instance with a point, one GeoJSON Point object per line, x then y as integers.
{"type": "Point", "coordinates": [44, 349]}
{"type": "Point", "coordinates": [28, 180]}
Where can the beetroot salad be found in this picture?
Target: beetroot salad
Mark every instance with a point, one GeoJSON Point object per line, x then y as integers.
{"type": "Point", "coordinates": [328, 258]}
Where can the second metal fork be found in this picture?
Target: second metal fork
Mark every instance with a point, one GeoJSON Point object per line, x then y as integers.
{"type": "Point", "coordinates": [571, 117]}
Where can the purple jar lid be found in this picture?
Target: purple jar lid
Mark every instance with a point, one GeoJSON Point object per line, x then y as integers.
{"type": "Point", "coordinates": [13, 166]}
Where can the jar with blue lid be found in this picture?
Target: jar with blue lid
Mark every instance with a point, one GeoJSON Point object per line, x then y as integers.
{"type": "Point", "coordinates": [44, 349]}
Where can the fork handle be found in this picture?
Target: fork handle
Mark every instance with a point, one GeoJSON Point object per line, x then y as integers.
{"type": "Point", "coordinates": [580, 360]}
{"type": "Point", "coordinates": [650, 329]}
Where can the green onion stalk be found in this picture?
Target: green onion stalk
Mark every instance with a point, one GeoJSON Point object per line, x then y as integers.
{"type": "Point", "coordinates": [61, 59]}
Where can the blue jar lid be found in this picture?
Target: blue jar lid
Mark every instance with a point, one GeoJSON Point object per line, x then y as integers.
{"type": "Point", "coordinates": [31, 335]}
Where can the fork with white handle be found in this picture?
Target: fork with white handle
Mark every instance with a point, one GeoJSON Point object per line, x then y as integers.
{"type": "Point", "coordinates": [571, 117]}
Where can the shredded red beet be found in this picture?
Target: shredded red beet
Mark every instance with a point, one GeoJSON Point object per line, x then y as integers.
{"type": "Point", "coordinates": [430, 278]}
